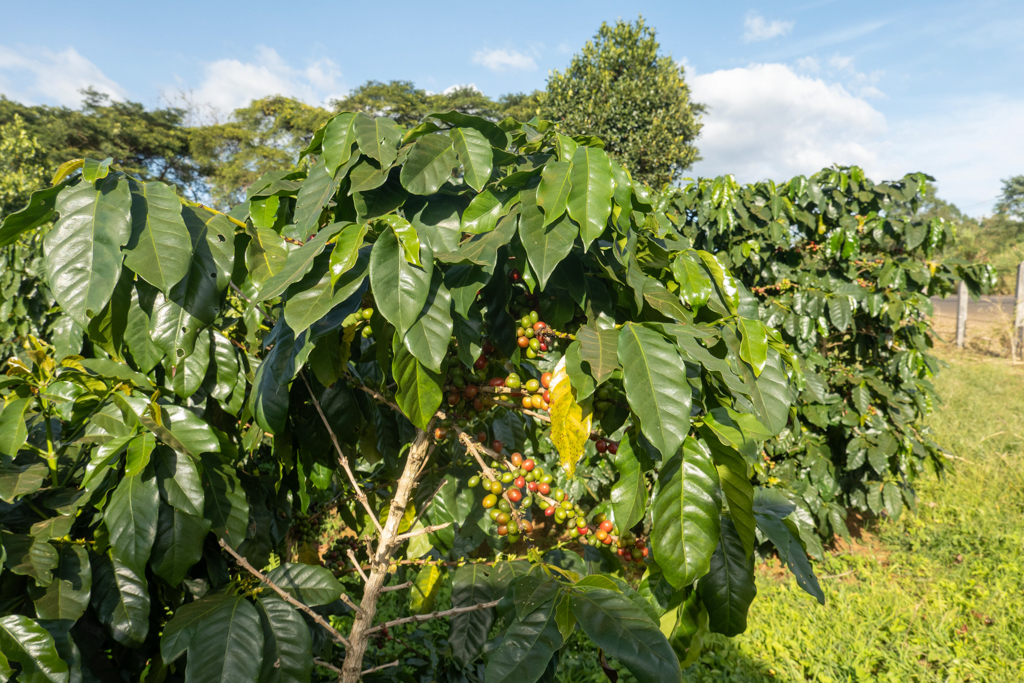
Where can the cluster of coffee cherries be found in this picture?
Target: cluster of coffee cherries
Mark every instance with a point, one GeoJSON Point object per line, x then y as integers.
{"type": "Point", "coordinates": [518, 480]}
{"type": "Point", "coordinates": [534, 336]}
{"type": "Point", "coordinates": [366, 314]}
{"type": "Point", "coordinates": [306, 529]}
{"type": "Point", "coordinates": [334, 557]}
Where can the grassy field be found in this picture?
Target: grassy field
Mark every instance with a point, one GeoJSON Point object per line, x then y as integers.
{"type": "Point", "coordinates": [936, 596]}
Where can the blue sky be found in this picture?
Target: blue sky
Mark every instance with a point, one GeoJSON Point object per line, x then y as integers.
{"type": "Point", "coordinates": [792, 87]}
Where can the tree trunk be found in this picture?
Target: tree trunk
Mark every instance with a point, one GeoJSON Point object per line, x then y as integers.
{"type": "Point", "coordinates": [358, 640]}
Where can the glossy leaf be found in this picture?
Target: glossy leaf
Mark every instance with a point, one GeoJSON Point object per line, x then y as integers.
{"type": "Point", "coordinates": [686, 514]}
{"type": "Point", "coordinates": [225, 504]}
{"type": "Point", "coordinates": [754, 345]}
{"type": "Point", "coordinates": [121, 600]}
{"type": "Point", "coordinates": [474, 151]}
{"type": "Point", "coordinates": [287, 643]}
{"type": "Point", "coordinates": [345, 254]}
{"type": "Point", "coordinates": [339, 139]}
{"type": "Point", "coordinates": [599, 349]}
{"type": "Point", "coordinates": [309, 584]}
{"type": "Point", "coordinates": [378, 138]}
{"type": "Point", "coordinates": [525, 650]}
{"type": "Point", "coordinates": [590, 196]}
{"type": "Point", "coordinates": [431, 162]}
{"type": "Point", "coordinates": [40, 210]}
{"type": "Point", "coordinates": [728, 588]}
{"type": "Point", "coordinates": [30, 556]}
{"type": "Point", "coordinates": [400, 288]}
{"type": "Point", "coordinates": [470, 586]}
{"type": "Point", "coordinates": [265, 254]}
{"type": "Point", "coordinates": [27, 643]}
{"type": "Point", "coordinates": [424, 590]}
{"type": "Point", "coordinates": [67, 596]}
{"type": "Point", "coordinates": [13, 429]}
{"type": "Point", "coordinates": [694, 283]}
{"type": "Point", "coordinates": [546, 244]}
{"type": "Point", "coordinates": [178, 544]}
{"type": "Point", "coordinates": [629, 493]}
{"type": "Point", "coordinates": [130, 518]}
{"type": "Point", "coordinates": [655, 381]}
{"type": "Point", "coordinates": [299, 262]}
{"type": "Point", "coordinates": [316, 192]}
{"type": "Point", "coordinates": [419, 392]}
{"type": "Point", "coordinates": [624, 631]}
{"type": "Point", "coordinates": [553, 191]}
{"type": "Point", "coordinates": [227, 645]}
{"type": "Point", "coordinates": [178, 632]}
{"type": "Point", "coordinates": [83, 250]}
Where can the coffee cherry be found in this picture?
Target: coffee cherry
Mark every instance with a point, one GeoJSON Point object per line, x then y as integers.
{"type": "Point", "coordinates": [441, 433]}
{"type": "Point", "coordinates": [519, 482]}
{"type": "Point", "coordinates": [480, 363]}
{"type": "Point", "coordinates": [496, 382]}
{"type": "Point", "coordinates": [496, 488]}
{"type": "Point", "coordinates": [528, 333]}
{"type": "Point", "coordinates": [504, 505]}
{"type": "Point", "coordinates": [471, 391]}
{"type": "Point", "coordinates": [545, 380]}
{"type": "Point", "coordinates": [527, 502]}
{"type": "Point", "coordinates": [550, 510]}
{"type": "Point", "coordinates": [644, 551]}
{"type": "Point", "coordinates": [514, 275]}
{"type": "Point", "coordinates": [534, 316]}
{"type": "Point", "coordinates": [546, 479]}
{"type": "Point", "coordinates": [513, 381]}
{"type": "Point", "coordinates": [473, 482]}
{"type": "Point", "coordinates": [532, 385]}
{"type": "Point", "coordinates": [454, 399]}
{"type": "Point", "coordinates": [559, 495]}
{"type": "Point", "coordinates": [535, 344]}
{"type": "Point", "coordinates": [559, 515]}
{"type": "Point", "coordinates": [529, 464]}
{"type": "Point", "coordinates": [545, 489]}
{"type": "Point", "coordinates": [613, 447]}
{"type": "Point", "coordinates": [601, 535]}
{"type": "Point", "coordinates": [502, 530]}
{"type": "Point", "coordinates": [507, 477]}
{"type": "Point", "coordinates": [493, 513]}
{"type": "Point", "coordinates": [502, 518]}
{"type": "Point", "coordinates": [636, 554]}
{"type": "Point", "coordinates": [515, 495]}
{"type": "Point", "coordinates": [546, 395]}
{"type": "Point", "coordinates": [481, 437]}
{"type": "Point", "coordinates": [532, 486]}
{"type": "Point", "coordinates": [544, 405]}
{"type": "Point", "coordinates": [531, 354]}
{"type": "Point", "coordinates": [496, 446]}
{"type": "Point", "coordinates": [490, 501]}
{"type": "Point", "coordinates": [523, 341]}
{"type": "Point", "coordinates": [537, 401]}
{"type": "Point", "coordinates": [525, 526]}
{"type": "Point", "coordinates": [606, 525]}
{"type": "Point", "coordinates": [517, 459]}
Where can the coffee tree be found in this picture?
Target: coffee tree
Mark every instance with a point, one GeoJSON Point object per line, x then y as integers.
{"type": "Point", "coordinates": [844, 268]}
{"type": "Point", "coordinates": [522, 390]}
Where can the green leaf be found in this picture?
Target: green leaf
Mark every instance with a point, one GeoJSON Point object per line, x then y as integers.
{"type": "Point", "coordinates": [525, 650]}
{"type": "Point", "coordinates": [400, 289]}
{"type": "Point", "coordinates": [728, 588]}
{"type": "Point", "coordinates": [579, 378]}
{"type": "Point", "coordinates": [265, 255]}
{"type": "Point", "coordinates": [121, 600]}
{"type": "Point", "coordinates": [629, 493]}
{"type": "Point", "coordinates": [419, 392]}
{"type": "Point", "coordinates": [195, 301]}
{"type": "Point", "coordinates": [463, 283]}
{"type": "Point", "coordinates": [378, 138]}
{"type": "Point", "coordinates": [754, 344]}
{"type": "Point", "coordinates": [287, 643]}
{"type": "Point", "coordinates": [225, 504]}
{"type": "Point", "coordinates": [471, 585]}
{"type": "Point", "coordinates": [532, 592]}
{"type": "Point", "coordinates": [310, 584]}
{"type": "Point", "coordinates": [840, 311]}
{"type": "Point", "coordinates": [139, 451]}
{"type": "Point", "coordinates": [474, 151]}
{"type": "Point", "coordinates": [546, 244]}
{"type": "Point", "coordinates": [553, 191]}
{"type": "Point", "coordinates": [861, 398]}
{"type": "Point", "coordinates": [694, 283]}
{"type": "Point", "coordinates": [227, 645]}
{"type": "Point", "coordinates": [564, 618]}
{"type": "Point", "coordinates": [67, 597]}
{"type": "Point", "coordinates": [407, 238]}
{"type": "Point", "coordinates": [13, 429]}
{"type": "Point", "coordinates": [739, 492]}
{"type": "Point", "coordinates": [30, 556]}
{"type": "Point", "coordinates": [159, 249]}
{"type": "Point", "coordinates": [179, 630]}
{"type": "Point", "coordinates": [83, 250]}
{"type": "Point", "coordinates": [494, 134]}
{"type": "Point", "coordinates": [654, 377]}
{"type": "Point", "coordinates": [430, 163]}
{"type": "Point", "coordinates": [316, 192]}
{"type": "Point", "coordinates": [590, 197]}
{"type": "Point", "coordinates": [339, 137]}
{"type": "Point", "coordinates": [191, 370]}
{"type": "Point", "coordinates": [424, 591]}
{"type": "Point", "coordinates": [93, 170]}
{"type": "Point", "coordinates": [38, 211]}
{"type": "Point", "coordinates": [18, 481]}
{"type": "Point", "coordinates": [315, 295]}
{"type": "Point", "coordinates": [599, 348]}
{"type": "Point", "coordinates": [686, 514]}
{"type": "Point", "coordinates": [486, 209]}
{"type": "Point", "coordinates": [723, 280]}
{"type": "Point", "coordinates": [178, 544]}
{"type": "Point", "coordinates": [130, 518]}
{"type": "Point", "coordinates": [345, 254]}
{"type": "Point", "coordinates": [299, 262]}
{"type": "Point", "coordinates": [27, 643]}
{"type": "Point", "coordinates": [624, 631]}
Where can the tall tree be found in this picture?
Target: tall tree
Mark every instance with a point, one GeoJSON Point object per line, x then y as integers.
{"type": "Point", "coordinates": [1011, 200]}
{"type": "Point", "coordinates": [406, 104]}
{"type": "Point", "coordinates": [265, 136]}
{"type": "Point", "coordinates": [622, 90]}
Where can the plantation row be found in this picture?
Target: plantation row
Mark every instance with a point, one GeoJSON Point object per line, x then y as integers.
{"type": "Point", "coordinates": [571, 403]}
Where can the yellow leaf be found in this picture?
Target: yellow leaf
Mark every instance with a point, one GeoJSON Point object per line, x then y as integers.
{"type": "Point", "coordinates": [570, 421]}
{"type": "Point", "coordinates": [424, 590]}
{"type": "Point", "coordinates": [407, 519]}
{"type": "Point", "coordinates": [347, 335]}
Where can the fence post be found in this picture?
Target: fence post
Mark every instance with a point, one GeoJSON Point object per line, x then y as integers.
{"type": "Point", "coordinates": [961, 315]}
{"type": "Point", "coordinates": [1018, 318]}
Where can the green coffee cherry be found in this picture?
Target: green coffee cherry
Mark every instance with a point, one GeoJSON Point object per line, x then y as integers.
{"type": "Point", "coordinates": [473, 482]}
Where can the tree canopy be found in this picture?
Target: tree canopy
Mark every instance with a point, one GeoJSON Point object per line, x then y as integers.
{"type": "Point", "coordinates": [621, 89]}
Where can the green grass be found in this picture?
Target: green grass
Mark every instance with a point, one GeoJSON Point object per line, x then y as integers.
{"type": "Point", "coordinates": [938, 595]}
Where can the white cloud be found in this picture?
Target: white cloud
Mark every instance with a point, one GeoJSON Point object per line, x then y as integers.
{"type": "Point", "coordinates": [756, 27]}
{"type": "Point", "coordinates": [229, 84]}
{"type": "Point", "coordinates": [504, 60]}
{"type": "Point", "coordinates": [767, 121]}
{"type": "Point", "coordinates": [39, 75]}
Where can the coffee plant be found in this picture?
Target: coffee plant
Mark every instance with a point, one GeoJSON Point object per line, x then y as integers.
{"type": "Point", "coordinates": [481, 347]}
{"type": "Point", "coordinates": [843, 268]}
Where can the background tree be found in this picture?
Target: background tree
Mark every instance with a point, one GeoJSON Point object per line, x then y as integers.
{"type": "Point", "coordinates": [643, 114]}
{"type": "Point", "coordinates": [1011, 200]}
{"type": "Point", "coordinates": [406, 104]}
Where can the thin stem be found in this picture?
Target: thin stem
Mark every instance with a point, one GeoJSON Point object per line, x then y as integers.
{"type": "Point", "coordinates": [244, 564]}
{"type": "Point", "coordinates": [433, 615]}
{"type": "Point", "coordinates": [360, 495]}
{"type": "Point", "coordinates": [401, 586]}
{"type": "Point", "coordinates": [382, 666]}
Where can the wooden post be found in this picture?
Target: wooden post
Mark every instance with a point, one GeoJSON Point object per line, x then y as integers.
{"type": "Point", "coordinates": [1018, 318]}
{"type": "Point", "coordinates": [961, 315]}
